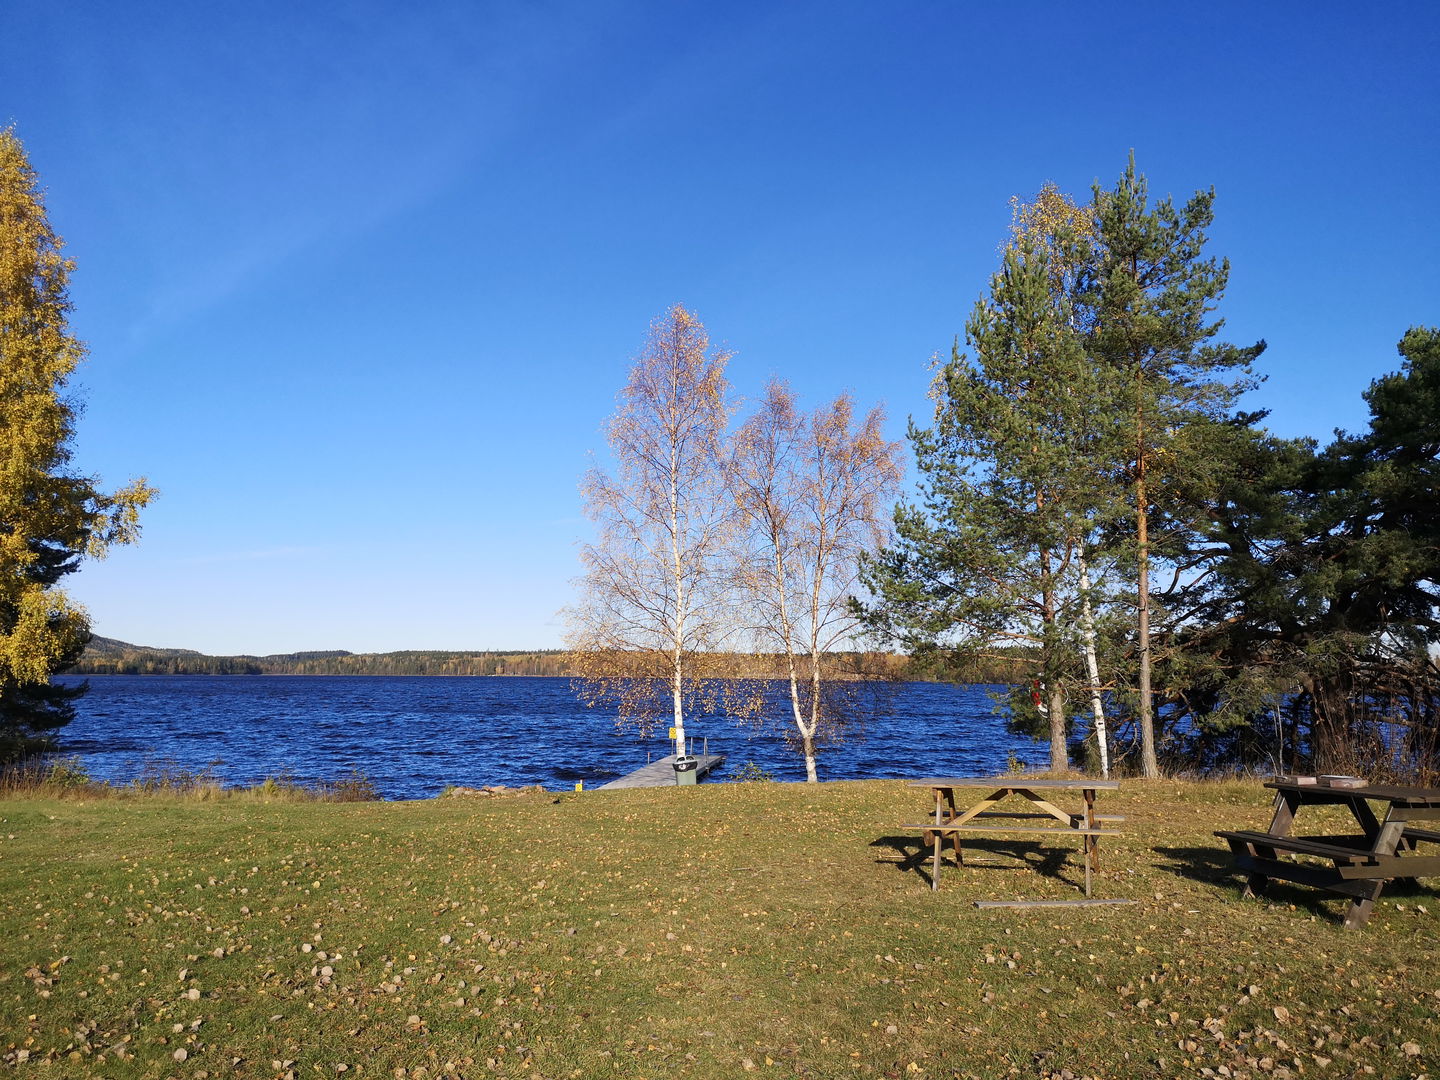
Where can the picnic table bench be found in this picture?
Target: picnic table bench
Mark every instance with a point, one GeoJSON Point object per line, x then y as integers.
{"type": "Point", "coordinates": [1359, 863]}
{"type": "Point", "coordinates": [950, 821]}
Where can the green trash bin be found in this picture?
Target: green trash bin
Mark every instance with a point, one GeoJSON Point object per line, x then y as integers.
{"type": "Point", "coordinates": [687, 769]}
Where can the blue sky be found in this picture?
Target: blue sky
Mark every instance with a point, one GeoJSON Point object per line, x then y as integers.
{"type": "Point", "coordinates": [360, 280]}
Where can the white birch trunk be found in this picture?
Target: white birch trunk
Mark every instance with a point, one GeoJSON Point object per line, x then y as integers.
{"type": "Point", "coordinates": [677, 686]}
{"type": "Point", "coordinates": [1087, 633]}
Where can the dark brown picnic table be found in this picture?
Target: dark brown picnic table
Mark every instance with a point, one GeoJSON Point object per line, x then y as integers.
{"type": "Point", "coordinates": [1385, 848]}
{"type": "Point", "coordinates": [980, 817]}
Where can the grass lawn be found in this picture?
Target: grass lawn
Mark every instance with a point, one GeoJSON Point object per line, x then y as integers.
{"type": "Point", "coordinates": [713, 931]}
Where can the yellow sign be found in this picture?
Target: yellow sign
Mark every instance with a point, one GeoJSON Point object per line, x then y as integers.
{"type": "Point", "coordinates": [579, 785]}
{"type": "Point", "coordinates": [672, 734]}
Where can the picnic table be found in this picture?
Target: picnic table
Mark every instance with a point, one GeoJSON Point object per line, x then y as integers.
{"type": "Point", "coordinates": [950, 821]}
{"type": "Point", "coordinates": [1385, 849]}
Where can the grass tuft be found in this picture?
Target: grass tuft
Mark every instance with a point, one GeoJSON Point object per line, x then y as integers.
{"type": "Point", "coordinates": [66, 778]}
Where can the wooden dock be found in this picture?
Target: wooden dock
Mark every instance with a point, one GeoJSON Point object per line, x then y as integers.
{"type": "Point", "coordinates": [661, 772]}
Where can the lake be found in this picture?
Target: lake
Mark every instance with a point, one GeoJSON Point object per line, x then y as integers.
{"type": "Point", "coordinates": [413, 736]}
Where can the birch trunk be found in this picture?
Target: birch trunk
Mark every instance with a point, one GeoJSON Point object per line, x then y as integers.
{"type": "Point", "coordinates": [1092, 668]}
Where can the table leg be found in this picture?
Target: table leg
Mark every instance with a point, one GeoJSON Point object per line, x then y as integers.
{"type": "Point", "coordinates": [935, 862]}
{"type": "Point", "coordinates": [1360, 908]}
{"type": "Point", "coordinates": [1369, 823]}
{"type": "Point", "coordinates": [1256, 884]}
{"type": "Point", "coordinates": [954, 836]}
{"type": "Point", "coordinates": [1092, 843]}
{"type": "Point", "coordinates": [1281, 822]}
{"type": "Point", "coordinates": [1286, 803]}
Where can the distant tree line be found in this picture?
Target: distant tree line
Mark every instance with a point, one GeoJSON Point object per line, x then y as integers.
{"type": "Point", "coordinates": [106, 656]}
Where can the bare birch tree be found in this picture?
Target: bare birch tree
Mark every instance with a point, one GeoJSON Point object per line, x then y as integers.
{"type": "Point", "coordinates": [651, 611]}
{"type": "Point", "coordinates": [811, 491]}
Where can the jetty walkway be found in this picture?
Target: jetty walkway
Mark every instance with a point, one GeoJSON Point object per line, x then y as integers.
{"type": "Point", "coordinates": [661, 772]}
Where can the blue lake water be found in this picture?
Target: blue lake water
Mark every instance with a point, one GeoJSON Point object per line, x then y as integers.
{"type": "Point", "coordinates": [414, 736]}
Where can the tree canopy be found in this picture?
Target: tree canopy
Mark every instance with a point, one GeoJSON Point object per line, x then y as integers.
{"type": "Point", "coordinates": [50, 516]}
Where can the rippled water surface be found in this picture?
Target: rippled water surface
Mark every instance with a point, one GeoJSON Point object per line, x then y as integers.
{"type": "Point", "coordinates": [415, 736]}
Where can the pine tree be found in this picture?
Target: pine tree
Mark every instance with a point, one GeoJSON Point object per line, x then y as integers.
{"type": "Point", "coordinates": [1325, 599]}
{"type": "Point", "coordinates": [1013, 487]}
{"type": "Point", "coordinates": [1147, 301]}
{"type": "Point", "coordinates": [50, 517]}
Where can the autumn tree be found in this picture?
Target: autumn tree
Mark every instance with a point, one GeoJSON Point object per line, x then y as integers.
{"type": "Point", "coordinates": [1146, 301]}
{"type": "Point", "coordinates": [652, 610]}
{"type": "Point", "coordinates": [1065, 232]}
{"type": "Point", "coordinates": [51, 517]}
{"type": "Point", "coordinates": [810, 488]}
{"type": "Point", "coordinates": [1011, 490]}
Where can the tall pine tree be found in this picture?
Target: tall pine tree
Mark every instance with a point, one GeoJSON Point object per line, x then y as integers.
{"type": "Point", "coordinates": [1012, 488]}
{"type": "Point", "coordinates": [1147, 300]}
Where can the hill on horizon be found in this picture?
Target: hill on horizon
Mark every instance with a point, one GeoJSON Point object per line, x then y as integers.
{"type": "Point", "coordinates": [110, 656]}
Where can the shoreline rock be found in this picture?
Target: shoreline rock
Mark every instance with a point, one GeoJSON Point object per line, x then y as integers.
{"type": "Point", "coordinates": [490, 791]}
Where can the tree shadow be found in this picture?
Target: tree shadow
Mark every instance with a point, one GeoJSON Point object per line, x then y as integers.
{"type": "Point", "coordinates": [913, 855]}
{"type": "Point", "coordinates": [1216, 866]}
{"type": "Point", "coordinates": [1212, 865]}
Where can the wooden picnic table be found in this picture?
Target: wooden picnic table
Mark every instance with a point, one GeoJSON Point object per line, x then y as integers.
{"type": "Point", "coordinates": [1385, 849]}
{"type": "Point", "coordinates": [951, 821]}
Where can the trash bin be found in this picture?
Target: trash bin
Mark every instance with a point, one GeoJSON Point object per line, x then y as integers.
{"type": "Point", "coordinates": [686, 769]}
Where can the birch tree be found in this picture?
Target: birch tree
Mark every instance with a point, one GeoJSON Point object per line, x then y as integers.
{"type": "Point", "coordinates": [50, 516]}
{"type": "Point", "coordinates": [652, 611]}
{"type": "Point", "coordinates": [810, 489]}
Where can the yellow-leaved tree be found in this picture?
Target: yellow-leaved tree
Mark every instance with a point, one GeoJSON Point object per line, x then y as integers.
{"type": "Point", "coordinates": [50, 516]}
{"type": "Point", "coordinates": [645, 634]}
{"type": "Point", "coordinates": [813, 491]}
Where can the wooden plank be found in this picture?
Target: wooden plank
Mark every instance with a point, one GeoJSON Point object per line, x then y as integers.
{"type": "Point", "coordinates": [1403, 796]}
{"type": "Point", "coordinates": [1394, 866]}
{"type": "Point", "coordinates": [1088, 902]}
{"type": "Point", "coordinates": [1319, 877]}
{"type": "Point", "coordinates": [975, 811]}
{"type": "Point", "coordinates": [1022, 815]}
{"type": "Point", "coordinates": [1014, 783]}
{"type": "Point", "coordinates": [1299, 845]}
{"type": "Point", "coordinates": [1048, 807]}
{"type": "Point", "coordinates": [970, 826]}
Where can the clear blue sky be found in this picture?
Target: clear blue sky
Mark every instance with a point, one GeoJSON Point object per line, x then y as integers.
{"type": "Point", "coordinates": [360, 280]}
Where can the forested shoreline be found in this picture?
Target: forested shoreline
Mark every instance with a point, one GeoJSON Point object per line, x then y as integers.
{"type": "Point", "coordinates": [107, 656]}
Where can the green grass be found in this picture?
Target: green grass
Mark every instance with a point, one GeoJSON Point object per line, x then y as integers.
{"type": "Point", "coordinates": [707, 932]}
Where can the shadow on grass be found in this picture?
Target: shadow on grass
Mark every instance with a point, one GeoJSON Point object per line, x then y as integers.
{"type": "Point", "coordinates": [1212, 865]}
{"type": "Point", "coordinates": [1215, 866]}
{"type": "Point", "coordinates": [913, 855]}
